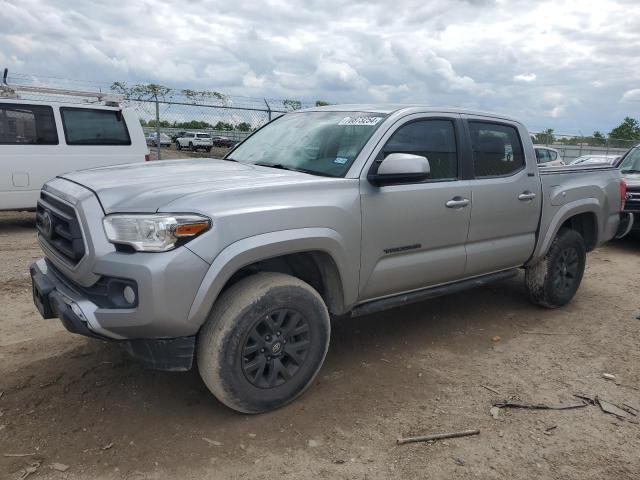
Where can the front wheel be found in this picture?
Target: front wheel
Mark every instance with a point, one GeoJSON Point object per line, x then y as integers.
{"type": "Point", "coordinates": [264, 342]}
{"type": "Point", "coordinates": [554, 280]}
{"type": "Point", "coordinates": [178, 146]}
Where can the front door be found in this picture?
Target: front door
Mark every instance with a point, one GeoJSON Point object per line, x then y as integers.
{"type": "Point", "coordinates": [506, 199]}
{"type": "Point", "coordinates": [413, 235]}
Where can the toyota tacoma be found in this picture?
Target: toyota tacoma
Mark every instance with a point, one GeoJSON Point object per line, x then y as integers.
{"type": "Point", "coordinates": [240, 262]}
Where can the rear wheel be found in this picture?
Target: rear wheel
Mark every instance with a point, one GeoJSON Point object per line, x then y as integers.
{"type": "Point", "coordinates": [264, 342]}
{"type": "Point", "coordinates": [191, 147]}
{"type": "Point", "coordinates": [554, 280]}
{"type": "Point", "coordinates": [178, 146]}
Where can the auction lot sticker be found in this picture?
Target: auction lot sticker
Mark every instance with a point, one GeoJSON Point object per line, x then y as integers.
{"type": "Point", "coordinates": [363, 121]}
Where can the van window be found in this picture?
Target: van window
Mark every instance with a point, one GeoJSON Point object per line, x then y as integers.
{"type": "Point", "coordinates": [27, 125]}
{"type": "Point", "coordinates": [85, 126]}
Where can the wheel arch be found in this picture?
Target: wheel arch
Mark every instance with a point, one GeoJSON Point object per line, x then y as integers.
{"type": "Point", "coordinates": [580, 216]}
{"type": "Point", "coordinates": [317, 256]}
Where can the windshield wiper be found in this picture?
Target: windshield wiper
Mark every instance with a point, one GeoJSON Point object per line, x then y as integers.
{"type": "Point", "coordinates": [229, 159]}
{"type": "Point", "coordinates": [631, 170]}
{"type": "Point", "coordinates": [291, 169]}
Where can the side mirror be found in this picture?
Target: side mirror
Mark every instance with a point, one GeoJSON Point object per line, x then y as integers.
{"type": "Point", "coordinates": [400, 168]}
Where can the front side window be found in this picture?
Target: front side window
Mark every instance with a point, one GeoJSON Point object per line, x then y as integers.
{"type": "Point", "coordinates": [631, 162]}
{"type": "Point", "coordinates": [497, 151]}
{"type": "Point", "coordinates": [84, 126]}
{"type": "Point", "coordinates": [320, 143]}
{"type": "Point", "coordinates": [27, 125]}
{"type": "Point", "coordinates": [433, 139]}
{"type": "Point", "coordinates": [553, 155]}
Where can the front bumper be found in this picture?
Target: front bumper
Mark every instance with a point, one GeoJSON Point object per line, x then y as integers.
{"type": "Point", "coordinates": [55, 298]}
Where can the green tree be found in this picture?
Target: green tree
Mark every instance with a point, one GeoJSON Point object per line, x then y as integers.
{"type": "Point", "coordinates": [629, 129]}
{"type": "Point", "coordinates": [597, 138]}
{"type": "Point", "coordinates": [162, 123]}
{"type": "Point", "coordinates": [292, 104]}
{"type": "Point", "coordinates": [223, 126]}
{"type": "Point", "coordinates": [321, 103]}
{"type": "Point", "coordinates": [196, 96]}
{"type": "Point", "coordinates": [142, 91]}
{"type": "Point", "coordinates": [546, 137]}
{"type": "Point", "coordinates": [243, 127]}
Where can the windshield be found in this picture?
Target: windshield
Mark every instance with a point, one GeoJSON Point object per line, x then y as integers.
{"type": "Point", "coordinates": [631, 163]}
{"type": "Point", "coordinates": [321, 143]}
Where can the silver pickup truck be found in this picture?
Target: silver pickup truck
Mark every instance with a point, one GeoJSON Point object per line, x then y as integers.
{"type": "Point", "coordinates": [323, 212]}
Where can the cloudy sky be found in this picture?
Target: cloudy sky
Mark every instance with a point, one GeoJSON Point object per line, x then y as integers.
{"type": "Point", "coordinates": [572, 65]}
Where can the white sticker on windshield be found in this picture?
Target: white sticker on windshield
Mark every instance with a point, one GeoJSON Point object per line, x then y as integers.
{"type": "Point", "coordinates": [341, 160]}
{"type": "Point", "coordinates": [364, 121]}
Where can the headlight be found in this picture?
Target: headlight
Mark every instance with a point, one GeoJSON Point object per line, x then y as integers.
{"type": "Point", "coordinates": [154, 232]}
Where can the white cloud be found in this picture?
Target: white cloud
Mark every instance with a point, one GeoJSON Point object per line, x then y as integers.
{"type": "Point", "coordinates": [525, 77]}
{"type": "Point", "coordinates": [631, 95]}
{"type": "Point", "coordinates": [500, 55]}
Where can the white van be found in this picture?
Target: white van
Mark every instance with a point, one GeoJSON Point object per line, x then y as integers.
{"type": "Point", "coordinates": [39, 140]}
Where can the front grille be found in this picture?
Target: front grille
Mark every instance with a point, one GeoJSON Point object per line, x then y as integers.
{"type": "Point", "coordinates": [632, 203]}
{"type": "Point", "coordinates": [58, 226]}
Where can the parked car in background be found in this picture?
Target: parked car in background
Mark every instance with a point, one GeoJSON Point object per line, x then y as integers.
{"type": "Point", "coordinates": [194, 141]}
{"type": "Point", "coordinates": [165, 140]}
{"type": "Point", "coordinates": [39, 140]}
{"type": "Point", "coordinates": [175, 136]}
{"type": "Point", "coordinates": [629, 166]}
{"type": "Point", "coordinates": [587, 159]}
{"type": "Point", "coordinates": [337, 210]}
{"type": "Point", "coordinates": [224, 142]}
{"type": "Point", "coordinates": [547, 156]}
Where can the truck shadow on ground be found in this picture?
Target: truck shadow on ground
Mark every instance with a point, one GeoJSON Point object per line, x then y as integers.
{"type": "Point", "coordinates": [94, 395]}
{"type": "Point", "coordinates": [17, 222]}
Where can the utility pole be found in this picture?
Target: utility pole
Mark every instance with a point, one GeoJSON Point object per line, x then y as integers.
{"type": "Point", "coordinates": [157, 126]}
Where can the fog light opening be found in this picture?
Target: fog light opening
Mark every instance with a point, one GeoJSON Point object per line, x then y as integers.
{"type": "Point", "coordinates": [129, 295]}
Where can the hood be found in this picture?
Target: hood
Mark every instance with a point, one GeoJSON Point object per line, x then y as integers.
{"type": "Point", "coordinates": [146, 187]}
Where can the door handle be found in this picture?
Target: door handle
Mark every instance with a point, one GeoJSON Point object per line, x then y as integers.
{"type": "Point", "coordinates": [526, 196]}
{"type": "Point", "coordinates": [457, 202]}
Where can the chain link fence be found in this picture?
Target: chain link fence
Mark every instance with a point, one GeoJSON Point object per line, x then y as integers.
{"type": "Point", "coordinates": [171, 112]}
{"type": "Point", "coordinates": [572, 147]}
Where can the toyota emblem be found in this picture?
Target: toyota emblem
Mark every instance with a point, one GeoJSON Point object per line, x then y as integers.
{"type": "Point", "coordinates": [47, 225]}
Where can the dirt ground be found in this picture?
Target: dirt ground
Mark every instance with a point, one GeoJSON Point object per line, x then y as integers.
{"type": "Point", "coordinates": [420, 369]}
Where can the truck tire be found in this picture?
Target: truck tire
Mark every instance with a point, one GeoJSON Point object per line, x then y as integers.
{"type": "Point", "coordinates": [554, 280]}
{"type": "Point", "coordinates": [264, 342]}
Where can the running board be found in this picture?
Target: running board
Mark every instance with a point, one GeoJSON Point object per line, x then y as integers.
{"type": "Point", "coordinates": [428, 293]}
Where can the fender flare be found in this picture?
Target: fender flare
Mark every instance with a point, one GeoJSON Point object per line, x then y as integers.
{"type": "Point", "coordinates": [269, 245]}
{"type": "Point", "coordinates": [565, 212]}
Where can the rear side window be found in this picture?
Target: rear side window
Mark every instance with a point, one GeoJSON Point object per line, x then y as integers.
{"type": "Point", "coordinates": [27, 125]}
{"type": "Point", "coordinates": [497, 150]}
{"type": "Point", "coordinates": [84, 126]}
{"type": "Point", "coordinates": [434, 139]}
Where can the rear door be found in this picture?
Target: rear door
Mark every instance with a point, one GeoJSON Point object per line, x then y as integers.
{"type": "Point", "coordinates": [413, 235]}
{"type": "Point", "coordinates": [505, 194]}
